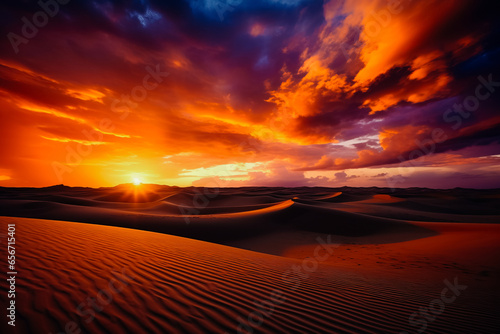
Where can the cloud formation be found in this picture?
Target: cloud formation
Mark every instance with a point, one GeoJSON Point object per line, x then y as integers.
{"type": "Point", "coordinates": [286, 93]}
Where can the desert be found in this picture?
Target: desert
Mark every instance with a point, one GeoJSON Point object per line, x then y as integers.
{"type": "Point", "coordinates": [254, 260]}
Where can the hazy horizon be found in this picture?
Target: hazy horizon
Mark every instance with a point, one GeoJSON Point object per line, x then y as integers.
{"type": "Point", "coordinates": [256, 186]}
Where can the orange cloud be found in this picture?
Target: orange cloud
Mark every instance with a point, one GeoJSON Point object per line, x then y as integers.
{"type": "Point", "coordinates": [395, 36]}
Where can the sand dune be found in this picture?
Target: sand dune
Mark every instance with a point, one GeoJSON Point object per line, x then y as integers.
{"type": "Point", "coordinates": [178, 285]}
{"type": "Point", "coordinates": [219, 251]}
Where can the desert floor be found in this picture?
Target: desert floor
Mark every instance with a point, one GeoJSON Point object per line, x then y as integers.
{"type": "Point", "coordinates": [158, 259]}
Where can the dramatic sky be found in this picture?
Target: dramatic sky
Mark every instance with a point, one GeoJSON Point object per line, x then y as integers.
{"type": "Point", "coordinates": [250, 93]}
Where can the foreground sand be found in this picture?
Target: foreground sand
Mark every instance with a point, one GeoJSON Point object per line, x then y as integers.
{"type": "Point", "coordinates": [272, 275]}
{"type": "Point", "coordinates": [175, 285]}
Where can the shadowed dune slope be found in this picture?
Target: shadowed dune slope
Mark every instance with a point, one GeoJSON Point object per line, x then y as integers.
{"type": "Point", "coordinates": [226, 226]}
{"type": "Point", "coordinates": [227, 215]}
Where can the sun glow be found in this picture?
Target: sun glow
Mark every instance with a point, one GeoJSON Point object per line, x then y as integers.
{"type": "Point", "coordinates": [136, 181]}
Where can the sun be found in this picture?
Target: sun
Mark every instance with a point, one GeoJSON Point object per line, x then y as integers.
{"type": "Point", "coordinates": [136, 181]}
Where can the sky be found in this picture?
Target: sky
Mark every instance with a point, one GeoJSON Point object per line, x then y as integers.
{"type": "Point", "coordinates": [228, 93]}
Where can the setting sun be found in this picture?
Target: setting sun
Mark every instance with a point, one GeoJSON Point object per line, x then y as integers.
{"type": "Point", "coordinates": [136, 181]}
